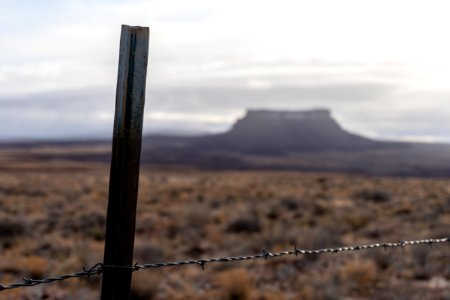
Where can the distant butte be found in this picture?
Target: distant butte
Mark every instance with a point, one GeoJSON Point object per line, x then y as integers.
{"type": "Point", "coordinates": [279, 132]}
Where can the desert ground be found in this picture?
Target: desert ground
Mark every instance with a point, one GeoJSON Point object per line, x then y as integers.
{"type": "Point", "coordinates": [52, 222]}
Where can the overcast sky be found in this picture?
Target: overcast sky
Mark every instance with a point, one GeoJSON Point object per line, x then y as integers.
{"type": "Point", "coordinates": [381, 66]}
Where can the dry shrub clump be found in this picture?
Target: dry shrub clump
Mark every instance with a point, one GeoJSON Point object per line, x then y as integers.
{"type": "Point", "coordinates": [357, 220]}
{"type": "Point", "coordinates": [235, 284]}
{"type": "Point", "coordinates": [144, 286]}
{"type": "Point", "coordinates": [90, 223]}
{"type": "Point", "coordinates": [29, 266]}
{"type": "Point", "coordinates": [36, 266]}
{"type": "Point", "coordinates": [374, 195]}
{"type": "Point", "coordinates": [11, 228]}
{"type": "Point", "coordinates": [245, 225]}
{"type": "Point", "coordinates": [359, 274]}
{"type": "Point", "coordinates": [148, 252]}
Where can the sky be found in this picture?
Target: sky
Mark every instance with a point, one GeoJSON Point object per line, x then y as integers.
{"type": "Point", "coordinates": [380, 66]}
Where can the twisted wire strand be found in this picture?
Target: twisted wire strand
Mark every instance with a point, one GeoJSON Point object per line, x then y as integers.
{"type": "Point", "coordinates": [99, 268]}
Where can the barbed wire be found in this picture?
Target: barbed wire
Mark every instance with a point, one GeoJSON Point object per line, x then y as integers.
{"type": "Point", "coordinates": [99, 268]}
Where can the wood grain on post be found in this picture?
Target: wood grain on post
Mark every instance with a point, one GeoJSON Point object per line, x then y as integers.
{"type": "Point", "coordinates": [124, 175]}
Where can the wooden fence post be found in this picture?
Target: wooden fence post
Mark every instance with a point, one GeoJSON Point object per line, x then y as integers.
{"type": "Point", "coordinates": [124, 174]}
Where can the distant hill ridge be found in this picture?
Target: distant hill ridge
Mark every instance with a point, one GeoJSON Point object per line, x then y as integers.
{"type": "Point", "coordinates": [309, 140]}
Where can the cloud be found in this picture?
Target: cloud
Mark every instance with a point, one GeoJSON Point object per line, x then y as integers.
{"type": "Point", "coordinates": [375, 109]}
{"type": "Point", "coordinates": [205, 109]}
{"type": "Point", "coordinates": [209, 61]}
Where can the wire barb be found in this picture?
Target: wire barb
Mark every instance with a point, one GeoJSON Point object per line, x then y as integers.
{"type": "Point", "coordinates": [202, 264]}
{"type": "Point", "coordinates": [98, 268]}
{"type": "Point", "coordinates": [266, 254]}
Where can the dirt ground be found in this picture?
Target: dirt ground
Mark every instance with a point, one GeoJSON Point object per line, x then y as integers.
{"type": "Point", "coordinates": [52, 222]}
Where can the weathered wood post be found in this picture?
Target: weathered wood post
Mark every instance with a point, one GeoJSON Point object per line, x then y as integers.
{"type": "Point", "coordinates": [124, 174]}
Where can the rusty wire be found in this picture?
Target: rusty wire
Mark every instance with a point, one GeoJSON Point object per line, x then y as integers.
{"type": "Point", "coordinates": [98, 268]}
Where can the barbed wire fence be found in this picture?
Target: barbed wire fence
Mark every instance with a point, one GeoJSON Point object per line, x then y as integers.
{"type": "Point", "coordinates": [98, 268]}
{"type": "Point", "coordinates": [124, 179]}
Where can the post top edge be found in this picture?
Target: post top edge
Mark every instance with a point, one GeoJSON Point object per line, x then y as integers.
{"type": "Point", "coordinates": [124, 26]}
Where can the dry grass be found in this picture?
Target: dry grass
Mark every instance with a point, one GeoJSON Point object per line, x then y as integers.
{"type": "Point", "coordinates": [53, 216]}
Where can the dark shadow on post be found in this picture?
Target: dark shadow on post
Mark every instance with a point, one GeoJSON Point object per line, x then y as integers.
{"type": "Point", "coordinates": [126, 150]}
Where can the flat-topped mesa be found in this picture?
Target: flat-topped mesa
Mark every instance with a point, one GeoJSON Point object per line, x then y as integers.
{"type": "Point", "coordinates": [282, 122]}
{"type": "Point", "coordinates": [271, 132]}
{"type": "Point", "coordinates": [289, 115]}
